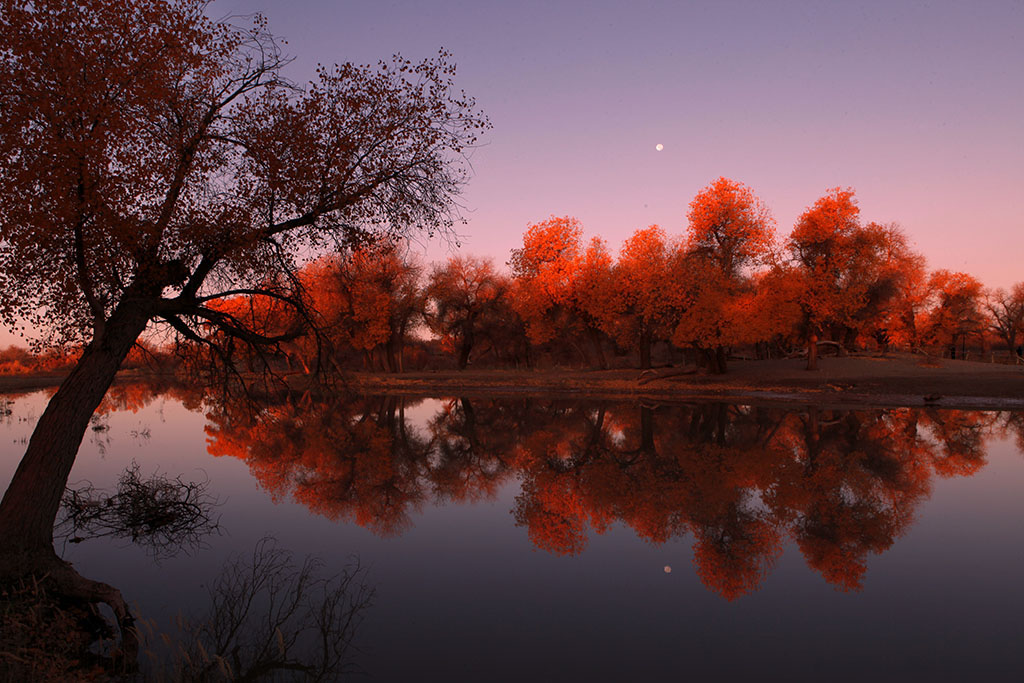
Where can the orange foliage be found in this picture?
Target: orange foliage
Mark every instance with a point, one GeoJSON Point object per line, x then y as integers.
{"type": "Point", "coordinates": [549, 286]}
{"type": "Point", "coordinates": [643, 304]}
{"type": "Point", "coordinates": [468, 303]}
{"type": "Point", "coordinates": [731, 227]}
{"type": "Point", "coordinates": [17, 360]}
{"type": "Point", "coordinates": [368, 300]}
{"type": "Point", "coordinates": [821, 244]}
{"type": "Point", "coordinates": [730, 235]}
{"type": "Point", "coordinates": [955, 312]}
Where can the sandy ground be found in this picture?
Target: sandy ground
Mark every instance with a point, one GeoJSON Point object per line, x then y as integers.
{"type": "Point", "coordinates": [894, 380]}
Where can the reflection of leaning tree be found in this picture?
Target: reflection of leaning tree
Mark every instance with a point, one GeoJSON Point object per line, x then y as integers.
{"type": "Point", "coordinates": [153, 164]}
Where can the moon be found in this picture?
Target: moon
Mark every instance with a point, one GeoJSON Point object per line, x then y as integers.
{"type": "Point", "coordinates": [659, 147]}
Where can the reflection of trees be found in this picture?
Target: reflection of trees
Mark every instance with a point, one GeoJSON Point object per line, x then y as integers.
{"type": "Point", "coordinates": [472, 453]}
{"type": "Point", "coordinates": [344, 460]}
{"type": "Point", "coordinates": [841, 484]}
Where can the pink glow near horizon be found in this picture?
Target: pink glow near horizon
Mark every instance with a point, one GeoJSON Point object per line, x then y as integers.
{"type": "Point", "coordinates": [917, 106]}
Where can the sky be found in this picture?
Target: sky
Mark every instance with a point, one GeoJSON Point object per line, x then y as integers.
{"type": "Point", "coordinates": [918, 106]}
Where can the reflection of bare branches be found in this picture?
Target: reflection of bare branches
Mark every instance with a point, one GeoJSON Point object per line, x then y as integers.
{"type": "Point", "coordinates": [270, 619]}
{"type": "Point", "coordinates": [164, 515]}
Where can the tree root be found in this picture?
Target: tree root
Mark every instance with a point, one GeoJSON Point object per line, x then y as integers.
{"type": "Point", "coordinates": [57, 582]}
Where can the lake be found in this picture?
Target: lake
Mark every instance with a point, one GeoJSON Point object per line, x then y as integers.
{"type": "Point", "coordinates": [531, 537]}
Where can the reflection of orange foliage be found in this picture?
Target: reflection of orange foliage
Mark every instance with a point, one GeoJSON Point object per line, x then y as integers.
{"type": "Point", "coordinates": [338, 465]}
{"type": "Point", "coordinates": [843, 485]}
{"type": "Point", "coordinates": [554, 517]}
{"type": "Point", "coordinates": [735, 561]}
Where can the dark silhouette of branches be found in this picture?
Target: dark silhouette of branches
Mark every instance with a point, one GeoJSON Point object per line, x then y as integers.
{"type": "Point", "coordinates": [272, 619]}
{"type": "Point", "coordinates": [164, 515]}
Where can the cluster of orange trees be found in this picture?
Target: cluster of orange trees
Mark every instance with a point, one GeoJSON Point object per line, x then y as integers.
{"type": "Point", "coordinates": [19, 360]}
{"type": "Point", "coordinates": [726, 286]}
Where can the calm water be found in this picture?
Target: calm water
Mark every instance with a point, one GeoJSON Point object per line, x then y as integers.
{"type": "Point", "coordinates": [555, 540]}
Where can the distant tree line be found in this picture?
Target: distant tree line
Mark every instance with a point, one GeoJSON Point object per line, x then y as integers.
{"type": "Point", "coordinates": [727, 287]}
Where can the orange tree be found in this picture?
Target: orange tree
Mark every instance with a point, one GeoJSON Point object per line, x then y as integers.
{"type": "Point", "coordinates": [155, 161]}
{"type": "Point", "coordinates": [955, 313]}
{"type": "Point", "coordinates": [466, 301]}
{"type": "Point", "coordinates": [822, 247]}
{"type": "Point", "coordinates": [547, 294]}
{"type": "Point", "coordinates": [731, 235]}
{"type": "Point", "coordinates": [885, 271]}
{"type": "Point", "coordinates": [642, 307]}
{"type": "Point", "coordinates": [367, 300]}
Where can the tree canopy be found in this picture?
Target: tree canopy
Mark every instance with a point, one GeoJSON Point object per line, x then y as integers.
{"type": "Point", "coordinates": [152, 154]}
{"type": "Point", "coordinates": [155, 165]}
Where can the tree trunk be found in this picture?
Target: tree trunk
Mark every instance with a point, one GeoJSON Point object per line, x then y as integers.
{"type": "Point", "coordinates": [595, 340]}
{"type": "Point", "coordinates": [645, 350]}
{"type": "Point", "coordinates": [647, 430]}
{"type": "Point", "coordinates": [812, 352]}
{"type": "Point", "coordinates": [466, 347]}
{"type": "Point", "coordinates": [30, 504]}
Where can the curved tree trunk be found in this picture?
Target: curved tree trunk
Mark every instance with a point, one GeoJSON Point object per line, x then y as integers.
{"type": "Point", "coordinates": [30, 504]}
{"type": "Point", "coordinates": [466, 347]}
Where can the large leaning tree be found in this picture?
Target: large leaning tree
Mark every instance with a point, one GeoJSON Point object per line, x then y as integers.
{"type": "Point", "coordinates": [154, 162]}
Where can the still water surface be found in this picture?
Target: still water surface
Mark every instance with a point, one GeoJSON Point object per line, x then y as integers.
{"type": "Point", "coordinates": [558, 540]}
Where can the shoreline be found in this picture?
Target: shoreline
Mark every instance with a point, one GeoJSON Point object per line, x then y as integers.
{"type": "Point", "coordinates": [896, 380]}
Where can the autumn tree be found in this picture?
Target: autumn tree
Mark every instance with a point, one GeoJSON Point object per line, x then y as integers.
{"type": "Point", "coordinates": [155, 161]}
{"type": "Point", "coordinates": [731, 235]}
{"type": "Point", "coordinates": [595, 295]}
{"type": "Point", "coordinates": [820, 244]}
{"type": "Point", "coordinates": [368, 299]}
{"type": "Point", "coordinates": [903, 315]}
{"type": "Point", "coordinates": [956, 309]}
{"type": "Point", "coordinates": [546, 270]}
{"type": "Point", "coordinates": [1006, 313]}
{"type": "Point", "coordinates": [642, 307]}
{"type": "Point", "coordinates": [466, 302]}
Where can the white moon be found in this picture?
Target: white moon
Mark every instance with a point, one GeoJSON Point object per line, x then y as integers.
{"type": "Point", "coordinates": [659, 147]}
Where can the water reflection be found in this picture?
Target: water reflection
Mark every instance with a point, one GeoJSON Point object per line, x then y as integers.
{"type": "Point", "coordinates": [165, 515]}
{"type": "Point", "coordinates": [740, 480]}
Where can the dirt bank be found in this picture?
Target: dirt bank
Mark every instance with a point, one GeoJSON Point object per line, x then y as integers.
{"type": "Point", "coordinates": [894, 380]}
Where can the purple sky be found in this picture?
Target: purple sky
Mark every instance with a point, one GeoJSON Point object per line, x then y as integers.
{"type": "Point", "coordinates": [919, 106]}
